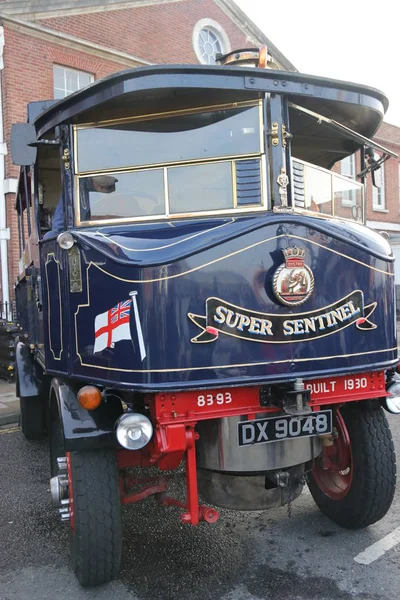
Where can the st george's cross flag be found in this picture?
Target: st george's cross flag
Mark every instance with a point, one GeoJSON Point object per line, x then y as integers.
{"type": "Point", "coordinates": [114, 325]}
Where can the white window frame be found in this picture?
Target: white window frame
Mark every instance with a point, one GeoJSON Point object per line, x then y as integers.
{"type": "Point", "coordinates": [352, 175]}
{"type": "Point", "coordinates": [398, 175]}
{"type": "Point", "coordinates": [69, 70]}
{"type": "Point", "coordinates": [378, 194]}
{"type": "Point", "coordinates": [217, 30]}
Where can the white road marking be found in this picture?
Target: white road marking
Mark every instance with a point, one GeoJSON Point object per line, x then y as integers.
{"type": "Point", "coordinates": [3, 405]}
{"type": "Point", "coordinates": [378, 549]}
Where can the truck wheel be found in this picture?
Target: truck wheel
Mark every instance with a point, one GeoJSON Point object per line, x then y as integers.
{"type": "Point", "coordinates": [57, 444]}
{"type": "Point", "coordinates": [95, 515]}
{"type": "Point", "coordinates": [354, 480]}
{"type": "Point", "coordinates": [31, 417]}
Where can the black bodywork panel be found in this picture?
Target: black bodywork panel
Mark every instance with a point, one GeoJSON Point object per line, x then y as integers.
{"type": "Point", "coordinates": [83, 429]}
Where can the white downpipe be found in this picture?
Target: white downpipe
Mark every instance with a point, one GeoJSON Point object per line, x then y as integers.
{"type": "Point", "coordinates": [4, 231]}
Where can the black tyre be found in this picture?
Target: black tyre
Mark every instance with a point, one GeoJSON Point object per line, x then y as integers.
{"type": "Point", "coordinates": [354, 481]}
{"type": "Point", "coordinates": [57, 444]}
{"type": "Point", "coordinates": [96, 531]}
{"type": "Point", "coordinates": [31, 417]}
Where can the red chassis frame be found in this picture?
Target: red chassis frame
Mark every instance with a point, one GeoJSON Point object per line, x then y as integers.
{"type": "Point", "coordinates": [175, 415]}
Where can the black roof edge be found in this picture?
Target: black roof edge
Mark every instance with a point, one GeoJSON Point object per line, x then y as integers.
{"type": "Point", "coordinates": [34, 109]}
{"type": "Point", "coordinates": [58, 107]}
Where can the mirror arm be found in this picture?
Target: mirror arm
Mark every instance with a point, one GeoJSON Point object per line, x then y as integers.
{"type": "Point", "coordinates": [45, 143]}
{"type": "Point", "coordinates": [373, 165]}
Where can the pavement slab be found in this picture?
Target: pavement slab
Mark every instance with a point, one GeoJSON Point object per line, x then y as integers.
{"type": "Point", "coordinates": [9, 403]}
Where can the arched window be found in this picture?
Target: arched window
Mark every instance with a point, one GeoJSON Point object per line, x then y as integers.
{"type": "Point", "coordinates": [209, 39]}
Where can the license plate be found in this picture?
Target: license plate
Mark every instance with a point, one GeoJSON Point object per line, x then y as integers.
{"type": "Point", "coordinates": [273, 429]}
{"type": "Point", "coordinates": [356, 387]}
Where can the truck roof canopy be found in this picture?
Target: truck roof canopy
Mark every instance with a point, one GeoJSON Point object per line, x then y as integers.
{"type": "Point", "coordinates": [155, 89]}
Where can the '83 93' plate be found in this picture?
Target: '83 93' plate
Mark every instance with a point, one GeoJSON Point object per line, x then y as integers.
{"type": "Point", "coordinates": [274, 429]}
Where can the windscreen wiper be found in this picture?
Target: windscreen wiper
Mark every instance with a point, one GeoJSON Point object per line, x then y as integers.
{"type": "Point", "coordinates": [374, 163]}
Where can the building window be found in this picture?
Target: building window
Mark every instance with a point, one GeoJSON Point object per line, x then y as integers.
{"type": "Point", "coordinates": [378, 194]}
{"type": "Point", "coordinates": [348, 169]}
{"type": "Point", "coordinates": [209, 39]}
{"type": "Point", "coordinates": [67, 81]}
{"type": "Point", "coordinates": [399, 180]}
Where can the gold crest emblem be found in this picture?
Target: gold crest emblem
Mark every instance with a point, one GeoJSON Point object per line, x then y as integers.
{"type": "Point", "coordinates": [293, 281]}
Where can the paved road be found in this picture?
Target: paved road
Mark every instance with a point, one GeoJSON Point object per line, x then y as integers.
{"type": "Point", "coordinates": [245, 556]}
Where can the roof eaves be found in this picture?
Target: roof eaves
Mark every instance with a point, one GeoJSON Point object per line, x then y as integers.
{"type": "Point", "coordinates": [250, 28]}
{"type": "Point", "coordinates": [60, 8]}
{"type": "Point", "coordinates": [71, 41]}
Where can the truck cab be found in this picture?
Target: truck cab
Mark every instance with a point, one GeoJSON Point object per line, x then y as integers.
{"type": "Point", "coordinates": [197, 285]}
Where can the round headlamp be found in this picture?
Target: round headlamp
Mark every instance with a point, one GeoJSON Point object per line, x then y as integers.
{"type": "Point", "coordinates": [65, 240]}
{"type": "Point", "coordinates": [134, 431]}
{"type": "Point", "coordinates": [392, 402]}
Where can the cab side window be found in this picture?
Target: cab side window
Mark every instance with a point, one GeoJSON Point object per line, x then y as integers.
{"type": "Point", "coordinates": [49, 189]}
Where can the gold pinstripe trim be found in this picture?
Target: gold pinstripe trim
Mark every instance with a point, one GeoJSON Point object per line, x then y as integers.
{"type": "Point", "coordinates": [256, 364]}
{"type": "Point", "coordinates": [190, 237]}
{"type": "Point", "coordinates": [196, 269]}
{"type": "Point", "coordinates": [48, 305]}
{"type": "Point", "coordinates": [216, 260]}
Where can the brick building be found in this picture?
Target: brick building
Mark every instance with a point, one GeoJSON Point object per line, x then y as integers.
{"type": "Point", "coordinates": [52, 49]}
{"type": "Point", "coordinates": [383, 213]}
{"type": "Point", "coordinates": [384, 205]}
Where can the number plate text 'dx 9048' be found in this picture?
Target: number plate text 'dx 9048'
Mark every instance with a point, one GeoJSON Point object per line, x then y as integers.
{"type": "Point", "coordinates": [274, 429]}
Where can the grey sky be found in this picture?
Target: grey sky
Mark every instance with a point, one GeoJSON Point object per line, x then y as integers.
{"type": "Point", "coordinates": [346, 39]}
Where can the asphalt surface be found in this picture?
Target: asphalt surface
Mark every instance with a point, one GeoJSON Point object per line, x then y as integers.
{"type": "Point", "coordinates": [244, 556]}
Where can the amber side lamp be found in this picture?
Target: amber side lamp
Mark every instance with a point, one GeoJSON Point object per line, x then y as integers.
{"type": "Point", "coordinates": [89, 397]}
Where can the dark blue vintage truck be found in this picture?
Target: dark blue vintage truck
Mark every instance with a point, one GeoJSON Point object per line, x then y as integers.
{"type": "Point", "coordinates": [198, 286]}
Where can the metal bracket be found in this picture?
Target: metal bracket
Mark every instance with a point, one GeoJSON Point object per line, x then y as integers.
{"type": "Point", "coordinates": [65, 159]}
{"type": "Point", "coordinates": [45, 143]}
{"type": "Point", "coordinates": [296, 402]}
{"type": "Point", "coordinates": [279, 478]}
{"type": "Point", "coordinates": [286, 136]}
{"type": "Point", "coordinates": [275, 133]}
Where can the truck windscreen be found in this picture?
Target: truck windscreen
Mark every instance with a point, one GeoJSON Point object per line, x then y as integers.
{"type": "Point", "coordinates": [210, 161]}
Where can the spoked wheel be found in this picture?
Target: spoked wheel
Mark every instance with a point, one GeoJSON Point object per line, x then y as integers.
{"type": "Point", "coordinates": [353, 481]}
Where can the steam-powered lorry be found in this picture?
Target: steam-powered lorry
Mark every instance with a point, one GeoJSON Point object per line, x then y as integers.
{"type": "Point", "coordinates": [197, 285]}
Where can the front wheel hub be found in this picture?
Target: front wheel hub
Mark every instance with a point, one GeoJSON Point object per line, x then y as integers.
{"type": "Point", "coordinates": [333, 471]}
{"type": "Point", "coordinates": [59, 490]}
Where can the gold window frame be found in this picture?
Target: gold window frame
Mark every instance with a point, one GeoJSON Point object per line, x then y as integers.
{"type": "Point", "coordinates": [165, 166]}
{"type": "Point", "coordinates": [332, 215]}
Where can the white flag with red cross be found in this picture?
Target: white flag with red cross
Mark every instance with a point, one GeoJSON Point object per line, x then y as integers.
{"type": "Point", "coordinates": [114, 325]}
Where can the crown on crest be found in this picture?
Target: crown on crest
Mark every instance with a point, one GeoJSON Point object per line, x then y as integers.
{"type": "Point", "coordinates": [294, 253]}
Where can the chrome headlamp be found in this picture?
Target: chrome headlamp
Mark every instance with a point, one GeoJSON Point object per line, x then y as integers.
{"type": "Point", "coordinates": [134, 430]}
{"type": "Point", "coordinates": [392, 402]}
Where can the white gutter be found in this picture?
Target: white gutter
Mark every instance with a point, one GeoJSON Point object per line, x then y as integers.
{"type": "Point", "coordinates": [4, 231]}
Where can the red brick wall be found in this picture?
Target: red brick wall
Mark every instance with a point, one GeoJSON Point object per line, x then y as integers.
{"type": "Point", "coordinates": [392, 200]}
{"type": "Point", "coordinates": [28, 76]}
{"type": "Point", "coordinates": [392, 196]}
{"type": "Point", "coordinates": [159, 34]}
